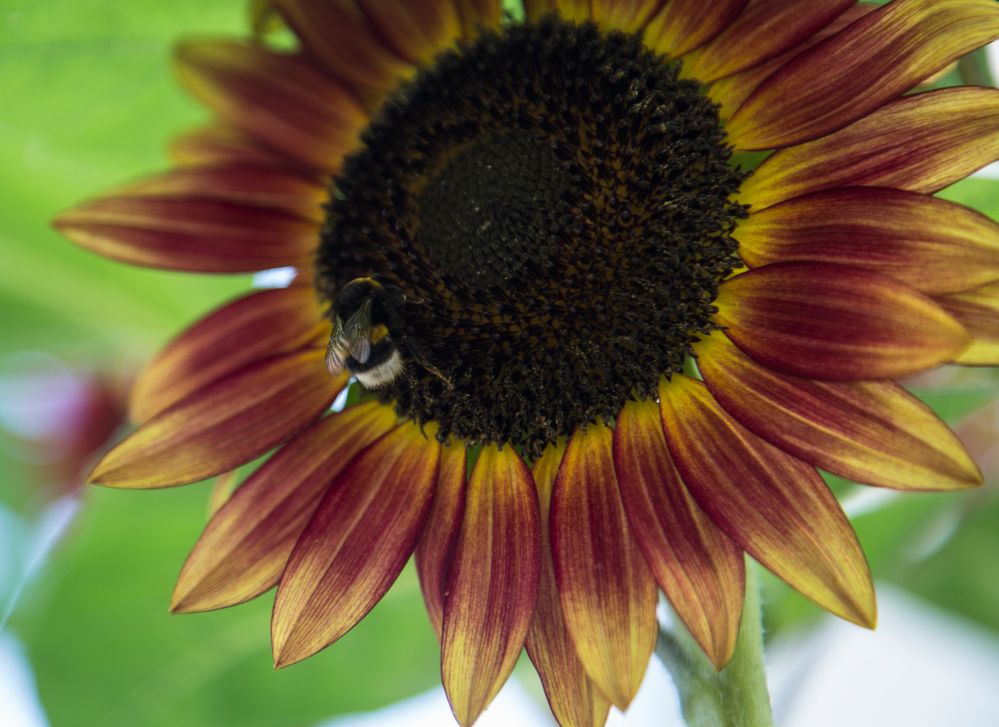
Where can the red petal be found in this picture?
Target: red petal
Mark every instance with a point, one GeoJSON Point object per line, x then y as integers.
{"type": "Point", "coordinates": [921, 143]}
{"type": "Point", "coordinates": [607, 591]}
{"type": "Point", "coordinates": [773, 505]}
{"type": "Point", "coordinates": [245, 547]}
{"type": "Point", "coordinates": [765, 30]}
{"type": "Point", "coordinates": [699, 568]}
{"type": "Point", "coordinates": [339, 37]}
{"type": "Point", "coordinates": [479, 15]}
{"type": "Point", "coordinates": [492, 584]}
{"type": "Point", "coordinates": [856, 71]}
{"type": "Point", "coordinates": [978, 312]}
{"type": "Point", "coordinates": [416, 30]}
{"type": "Point", "coordinates": [436, 547]}
{"type": "Point", "coordinates": [240, 333]}
{"type": "Point", "coordinates": [873, 432]}
{"type": "Point", "coordinates": [225, 424]}
{"type": "Point", "coordinates": [931, 244]}
{"type": "Point", "coordinates": [836, 322]}
{"type": "Point", "coordinates": [189, 233]}
{"type": "Point", "coordinates": [572, 697]}
{"type": "Point", "coordinates": [222, 145]}
{"type": "Point", "coordinates": [279, 99]}
{"type": "Point", "coordinates": [356, 543]}
{"type": "Point", "coordinates": [684, 25]}
{"type": "Point", "coordinates": [248, 183]}
{"type": "Point", "coordinates": [628, 16]}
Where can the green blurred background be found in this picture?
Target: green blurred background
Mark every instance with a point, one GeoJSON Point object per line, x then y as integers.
{"type": "Point", "coordinates": [88, 101]}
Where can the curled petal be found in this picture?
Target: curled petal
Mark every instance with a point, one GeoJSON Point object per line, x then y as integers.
{"type": "Point", "coordinates": [244, 548]}
{"type": "Point", "coordinates": [766, 29]}
{"type": "Point", "coordinates": [699, 568]}
{"type": "Point", "coordinates": [607, 591]}
{"type": "Point", "coordinates": [836, 322]}
{"type": "Point", "coordinates": [872, 431]}
{"type": "Point", "coordinates": [492, 584]}
{"type": "Point", "coordinates": [189, 233]}
{"type": "Point", "coordinates": [355, 544]}
{"type": "Point", "coordinates": [931, 244]}
{"type": "Point", "coordinates": [435, 549]}
{"type": "Point", "coordinates": [573, 698]}
{"type": "Point", "coordinates": [225, 424]}
{"type": "Point", "coordinates": [775, 506]}
{"type": "Point", "coordinates": [872, 61]}
{"type": "Point", "coordinates": [247, 330]}
{"type": "Point", "coordinates": [683, 25]}
{"type": "Point", "coordinates": [978, 312]}
{"type": "Point", "coordinates": [920, 143]}
{"type": "Point", "coordinates": [280, 100]}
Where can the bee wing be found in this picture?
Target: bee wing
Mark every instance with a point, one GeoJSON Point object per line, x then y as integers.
{"type": "Point", "coordinates": [350, 338]}
{"type": "Point", "coordinates": [336, 351]}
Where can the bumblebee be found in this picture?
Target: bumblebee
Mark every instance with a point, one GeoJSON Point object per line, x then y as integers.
{"type": "Point", "coordinates": [360, 343]}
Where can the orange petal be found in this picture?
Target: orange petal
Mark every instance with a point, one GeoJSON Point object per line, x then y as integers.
{"type": "Point", "coordinates": [978, 312]}
{"type": "Point", "coordinates": [492, 584]}
{"type": "Point", "coordinates": [436, 547]}
{"type": "Point", "coordinates": [339, 37]}
{"type": "Point", "coordinates": [933, 245]}
{"type": "Point", "coordinates": [766, 29]}
{"type": "Point", "coordinates": [683, 25]}
{"type": "Point", "coordinates": [921, 143]}
{"type": "Point", "coordinates": [873, 432]}
{"type": "Point", "coordinates": [607, 591]}
{"type": "Point", "coordinates": [279, 99]}
{"type": "Point", "coordinates": [356, 543]}
{"type": "Point", "coordinates": [416, 30]}
{"type": "Point", "coordinates": [189, 233]}
{"type": "Point", "coordinates": [479, 15]}
{"type": "Point", "coordinates": [627, 16]}
{"type": "Point", "coordinates": [572, 697]}
{"type": "Point", "coordinates": [699, 568]}
{"type": "Point", "coordinates": [222, 145]}
{"type": "Point", "coordinates": [240, 333]}
{"type": "Point", "coordinates": [836, 322]}
{"type": "Point", "coordinates": [775, 506]}
{"type": "Point", "coordinates": [731, 91]}
{"type": "Point", "coordinates": [856, 71]}
{"type": "Point", "coordinates": [245, 546]}
{"type": "Point", "coordinates": [248, 183]}
{"type": "Point", "coordinates": [225, 424]}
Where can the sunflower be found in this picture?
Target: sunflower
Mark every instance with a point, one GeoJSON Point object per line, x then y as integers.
{"type": "Point", "coordinates": [596, 353]}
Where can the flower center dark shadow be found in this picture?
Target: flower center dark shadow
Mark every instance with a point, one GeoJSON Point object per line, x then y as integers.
{"type": "Point", "coordinates": [554, 203]}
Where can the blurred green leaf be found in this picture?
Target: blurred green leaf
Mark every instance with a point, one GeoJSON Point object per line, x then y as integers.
{"type": "Point", "coordinates": [107, 652]}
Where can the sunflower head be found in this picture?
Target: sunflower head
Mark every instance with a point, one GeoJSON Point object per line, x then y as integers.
{"type": "Point", "coordinates": [606, 359]}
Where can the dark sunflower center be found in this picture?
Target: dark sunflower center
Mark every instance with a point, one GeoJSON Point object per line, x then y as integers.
{"type": "Point", "coordinates": [553, 202]}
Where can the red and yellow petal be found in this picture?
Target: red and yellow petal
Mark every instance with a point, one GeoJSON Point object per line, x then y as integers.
{"type": "Point", "coordinates": [281, 100]}
{"type": "Point", "coordinates": [479, 15]}
{"type": "Point", "coordinates": [416, 30]}
{"type": "Point", "coordinates": [220, 144]}
{"type": "Point", "coordinates": [189, 233]}
{"type": "Point", "coordinates": [775, 506]}
{"type": "Point", "coordinates": [607, 591]}
{"type": "Point", "coordinates": [836, 322]}
{"type": "Point", "coordinates": [860, 68]}
{"type": "Point", "coordinates": [978, 311]}
{"type": "Point", "coordinates": [699, 568]}
{"type": "Point", "coordinates": [573, 698]}
{"type": "Point", "coordinates": [931, 244]}
{"type": "Point", "coordinates": [627, 16]}
{"type": "Point", "coordinates": [873, 432]}
{"type": "Point", "coordinates": [920, 143]}
{"type": "Point", "coordinates": [764, 31]}
{"type": "Point", "coordinates": [683, 25]}
{"type": "Point", "coordinates": [257, 326]}
{"type": "Point", "coordinates": [731, 91]}
{"type": "Point", "coordinates": [244, 182]}
{"type": "Point", "coordinates": [244, 548]}
{"type": "Point", "coordinates": [492, 584]}
{"type": "Point", "coordinates": [355, 544]}
{"type": "Point", "coordinates": [436, 547]}
{"type": "Point", "coordinates": [225, 424]}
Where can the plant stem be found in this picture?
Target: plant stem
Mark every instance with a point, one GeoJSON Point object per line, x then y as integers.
{"type": "Point", "coordinates": [737, 695]}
